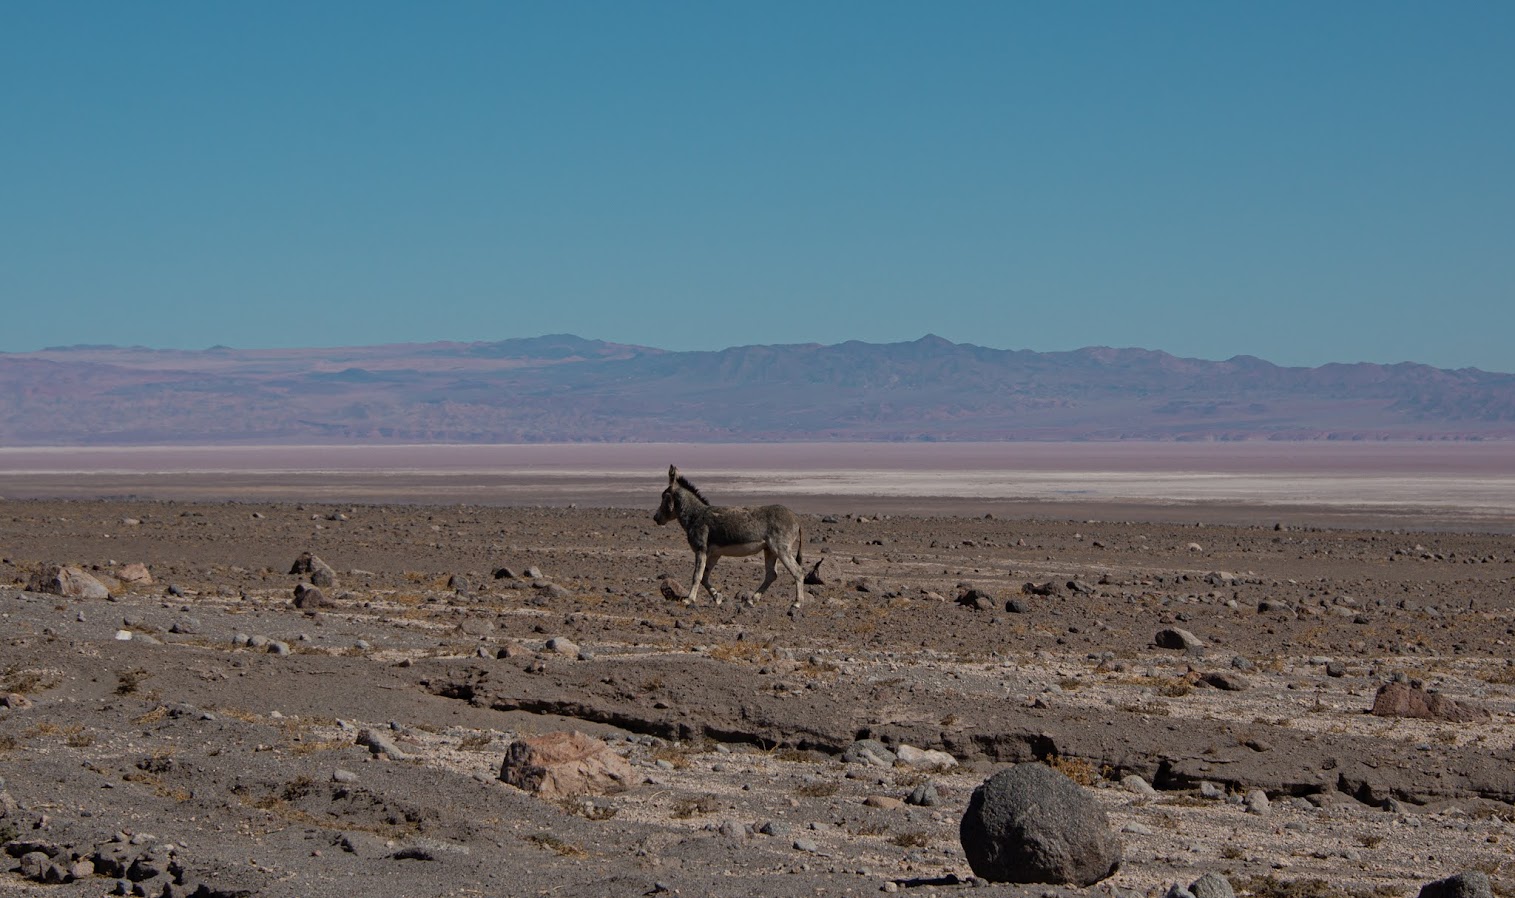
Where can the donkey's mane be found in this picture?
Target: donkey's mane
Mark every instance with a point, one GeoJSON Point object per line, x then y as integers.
{"type": "Point", "coordinates": [684, 482]}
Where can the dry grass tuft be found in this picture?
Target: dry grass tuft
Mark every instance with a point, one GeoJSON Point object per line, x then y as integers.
{"type": "Point", "coordinates": [1080, 770]}
{"type": "Point", "coordinates": [475, 742]}
{"type": "Point", "coordinates": [816, 790]}
{"type": "Point", "coordinates": [26, 680]}
{"type": "Point", "coordinates": [748, 650]}
{"type": "Point", "coordinates": [685, 808]}
{"type": "Point", "coordinates": [553, 843]}
{"type": "Point", "coordinates": [129, 681]}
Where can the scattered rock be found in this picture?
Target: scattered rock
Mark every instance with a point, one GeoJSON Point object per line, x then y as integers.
{"type": "Point", "coordinates": [976, 599]}
{"type": "Point", "coordinates": [135, 573]}
{"type": "Point", "coordinates": [321, 573]}
{"type": "Point", "coordinates": [1177, 638]}
{"type": "Point", "coordinates": [869, 751]}
{"type": "Point", "coordinates": [926, 795]}
{"type": "Point", "coordinates": [1031, 823]}
{"type": "Point", "coordinates": [924, 757]}
{"type": "Point", "coordinates": [69, 582]}
{"type": "Point", "coordinates": [562, 646]}
{"type": "Point", "coordinates": [309, 597]}
{"type": "Point", "coordinates": [1212, 885]}
{"type": "Point", "coordinates": [1256, 802]}
{"type": "Point", "coordinates": [556, 765]}
{"type": "Point", "coordinates": [1136, 785]}
{"type": "Point", "coordinates": [1229, 681]}
{"type": "Point", "coordinates": [813, 576]}
{"type": "Point", "coordinates": [379, 744]}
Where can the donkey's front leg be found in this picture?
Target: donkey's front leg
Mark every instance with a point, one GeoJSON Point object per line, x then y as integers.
{"type": "Point", "coordinates": [770, 574]}
{"type": "Point", "coordinates": [699, 576]}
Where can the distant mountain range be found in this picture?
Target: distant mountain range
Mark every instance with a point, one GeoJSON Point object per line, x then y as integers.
{"type": "Point", "coordinates": [562, 388]}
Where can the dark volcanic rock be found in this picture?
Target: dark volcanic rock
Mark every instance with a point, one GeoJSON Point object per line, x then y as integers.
{"type": "Point", "coordinates": [1033, 824]}
{"type": "Point", "coordinates": [1472, 884]}
{"type": "Point", "coordinates": [1227, 680]}
{"type": "Point", "coordinates": [310, 597]}
{"type": "Point", "coordinates": [1177, 638]}
{"type": "Point", "coordinates": [976, 598]}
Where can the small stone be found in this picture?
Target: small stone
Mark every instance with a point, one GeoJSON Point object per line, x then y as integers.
{"type": "Point", "coordinates": [1227, 681]}
{"type": "Point", "coordinates": [919, 757]}
{"type": "Point", "coordinates": [1256, 802]}
{"type": "Point", "coordinates": [562, 646]}
{"type": "Point", "coordinates": [379, 744]}
{"type": "Point", "coordinates": [925, 795]}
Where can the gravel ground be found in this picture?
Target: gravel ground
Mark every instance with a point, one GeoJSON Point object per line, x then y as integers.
{"type": "Point", "coordinates": [201, 732]}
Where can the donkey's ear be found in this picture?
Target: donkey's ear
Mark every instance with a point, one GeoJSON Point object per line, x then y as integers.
{"type": "Point", "coordinates": [673, 473]}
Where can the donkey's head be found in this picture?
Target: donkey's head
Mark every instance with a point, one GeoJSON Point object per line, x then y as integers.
{"type": "Point", "coordinates": [679, 491]}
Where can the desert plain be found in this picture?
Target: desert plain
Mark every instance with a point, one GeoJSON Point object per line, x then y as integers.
{"type": "Point", "coordinates": [201, 733]}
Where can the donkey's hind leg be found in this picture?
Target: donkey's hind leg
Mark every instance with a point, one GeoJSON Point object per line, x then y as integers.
{"type": "Point", "coordinates": [710, 561]}
{"type": "Point", "coordinates": [792, 565]}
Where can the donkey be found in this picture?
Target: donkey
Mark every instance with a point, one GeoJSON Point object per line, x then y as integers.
{"type": "Point", "coordinates": [717, 530]}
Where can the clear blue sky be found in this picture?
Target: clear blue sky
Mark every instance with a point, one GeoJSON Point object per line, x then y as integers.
{"type": "Point", "coordinates": [1305, 182]}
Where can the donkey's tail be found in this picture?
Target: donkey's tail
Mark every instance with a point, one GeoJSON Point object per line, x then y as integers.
{"type": "Point", "coordinates": [799, 550]}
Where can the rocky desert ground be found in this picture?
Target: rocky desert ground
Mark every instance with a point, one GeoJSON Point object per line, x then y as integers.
{"type": "Point", "coordinates": [199, 731]}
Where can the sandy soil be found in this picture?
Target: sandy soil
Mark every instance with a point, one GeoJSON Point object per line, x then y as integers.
{"type": "Point", "coordinates": [193, 746]}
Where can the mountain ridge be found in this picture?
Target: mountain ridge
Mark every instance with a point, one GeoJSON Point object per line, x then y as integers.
{"type": "Point", "coordinates": [565, 388]}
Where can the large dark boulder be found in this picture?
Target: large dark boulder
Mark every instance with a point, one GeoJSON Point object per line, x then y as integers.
{"type": "Point", "coordinates": [1032, 824]}
{"type": "Point", "coordinates": [1472, 884]}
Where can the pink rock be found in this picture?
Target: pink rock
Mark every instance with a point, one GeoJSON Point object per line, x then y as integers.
{"type": "Point", "coordinates": [555, 765]}
{"type": "Point", "coordinates": [135, 573]}
{"type": "Point", "coordinates": [1400, 700]}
